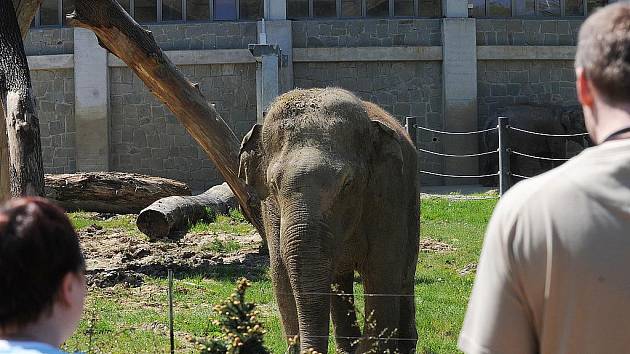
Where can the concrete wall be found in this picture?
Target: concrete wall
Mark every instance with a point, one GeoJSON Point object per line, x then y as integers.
{"type": "Point", "coordinates": [401, 88]}
{"type": "Point", "coordinates": [527, 32]}
{"type": "Point", "coordinates": [49, 41]}
{"type": "Point", "coordinates": [506, 82]}
{"type": "Point", "coordinates": [146, 138]}
{"type": "Point", "coordinates": [214, 35]}
{"type": "Point", "coordinates": [367, 33]}
{"type": "Point", "coordinates": [54, 93]}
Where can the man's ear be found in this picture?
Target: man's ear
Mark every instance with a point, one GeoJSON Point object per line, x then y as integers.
{"type": "Point", "coordinates": [584, 87]}
{"type": "Point", "coordinates": [70, 289]}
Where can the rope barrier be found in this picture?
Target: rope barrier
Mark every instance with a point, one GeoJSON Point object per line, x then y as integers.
{"type": "Point", "coordinates": [369, 337]}
{"type": "Point", "coordinates": [349, 294]}
{"type": "Point", "coordinates": [467, 155]}
{"type": "Point", "coordinates": [536, 157]}
{"type": "Point", "coordinates": [455, 176]}
{"type": "Point", "coordinates": [545, 134]}
{"type": "Point", "coordinates": [458, 133]}
{"type": "Point", "coordinates": [519, 176]}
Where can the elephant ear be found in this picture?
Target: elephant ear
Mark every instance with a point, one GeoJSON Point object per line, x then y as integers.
{"type": "Point", "coordinates": [388, 151]}
{"type": "Point", "coordinates": [251, 166]}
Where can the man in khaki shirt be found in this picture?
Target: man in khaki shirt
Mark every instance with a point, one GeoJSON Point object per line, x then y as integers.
{"type": "Point", "coordinates": [554, 274]}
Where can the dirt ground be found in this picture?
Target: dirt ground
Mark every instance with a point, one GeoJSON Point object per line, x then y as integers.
{"type": "Point", "coordinates": [116, 256]}
{"type": "Point", "coordinates": [119, 256]}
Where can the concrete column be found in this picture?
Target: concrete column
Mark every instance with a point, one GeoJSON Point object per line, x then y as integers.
{"type": "Point", "coordinates": [459, 72]}
{"type": "Point", "coordinates": [267, 83]}
{"type": "Point", "coordinates": [91, 102]}
{"type": "Point", "coordinates": [279, 32]}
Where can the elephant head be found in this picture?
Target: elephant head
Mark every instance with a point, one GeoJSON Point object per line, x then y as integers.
{"type": "Point", "coordinates": [324, 171]}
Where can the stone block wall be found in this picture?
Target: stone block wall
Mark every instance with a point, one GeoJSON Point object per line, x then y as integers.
{"type": "Point", "coordinates": [54, 94]}
{"type": "Point", "coordinates": [527, 32]}
{"type": "Point", "coordinates": [367, 33]}
{"type": "Point", "coordinates": [49, 41]}
{"type": "Point", "coordinates": [402, 88]}
{"type": "Point", "coordinates": [506, 82]}
{"type": "Point", "coordinates": [146, 138]}
{"type": "Point", "coordinates": [198, 36]}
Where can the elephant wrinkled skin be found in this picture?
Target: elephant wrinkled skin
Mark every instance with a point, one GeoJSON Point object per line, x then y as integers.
{"type": "Point", "coordinates": [338, 183]}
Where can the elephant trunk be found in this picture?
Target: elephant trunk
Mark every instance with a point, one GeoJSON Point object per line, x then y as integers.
{"type": "Point", "coordinates": [307, 253]}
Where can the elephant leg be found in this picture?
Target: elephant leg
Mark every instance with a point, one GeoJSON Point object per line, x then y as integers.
{"type": "Point", "coordinates": [343, 314]}
{"type": "Point", "coordinates": [407, 328]}
{"type": "Point", "coordinates": [382, 306]}
{"type": "Point", "coordinates": [286, 301]}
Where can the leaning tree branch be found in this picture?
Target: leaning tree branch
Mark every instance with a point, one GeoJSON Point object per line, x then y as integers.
{"type": "Point", "coordinates": [25, 11]}
{"type": "Point", "coordinates": [16, 95]}
{"type": "Point", "coordinates": [122, 36]}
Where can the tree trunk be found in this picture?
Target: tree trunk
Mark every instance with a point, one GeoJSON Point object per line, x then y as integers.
{"type": "Point", "coordinates": [176, 214]}
{"type": "Point", "coordinates": [110, 192]}
{"type": "Point", "coordinates": [25, 154]}
{"type": "Point", "coordinates": [25, 10]}
{"type": "Point", "coordinates": [122, 36]}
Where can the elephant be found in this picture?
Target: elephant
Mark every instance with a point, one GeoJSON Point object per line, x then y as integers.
{"type": "Point", "coordinates": [337, 181]}
{"type": "Point", "coordinates": [549, 119]}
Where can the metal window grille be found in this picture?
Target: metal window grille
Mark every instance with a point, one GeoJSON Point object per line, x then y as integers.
{"type": "Point", "coordinates": [417, 10]}
{"type": "Point", "coordinates": [61, 15]}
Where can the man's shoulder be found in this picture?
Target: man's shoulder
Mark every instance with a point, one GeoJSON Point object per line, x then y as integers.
{"type": "Point", "coordinates": [23, 347]}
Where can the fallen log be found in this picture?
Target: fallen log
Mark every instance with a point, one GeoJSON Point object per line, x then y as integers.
{"type": "Point", "coordinates": [110, 192]}
{"type": "Point", "coordinates": [171, 215]}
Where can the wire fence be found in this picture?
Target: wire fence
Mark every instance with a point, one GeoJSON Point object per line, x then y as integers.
{"type": "Point", "coordinates": [504, 150]}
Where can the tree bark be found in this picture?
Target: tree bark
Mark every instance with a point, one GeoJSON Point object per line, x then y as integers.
{"type": "Point", "coordinates": [25, 154]}
{"type": "Point", "coordinates": [176, 214]}
{"type": "Point", "coordinates": [122, 36]}
{"type": "Point", "coordinates": [110, 192]}
{"type": "Point", "coordinates": [25, 10]}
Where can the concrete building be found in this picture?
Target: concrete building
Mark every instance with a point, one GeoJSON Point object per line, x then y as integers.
{"type": "Point", "coordinates": [449, 63]}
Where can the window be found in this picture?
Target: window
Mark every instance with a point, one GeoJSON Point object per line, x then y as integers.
{"type": "Point", "coordinates": [549, 7]}
{"type": "Point", "coordinates": [297, 9]}
{"type": "Point", "coordinates": [537, 8]}
{"type": "Point", "coordinates": [404, 8]}
{"type": "Point", "coordinates": [250, 9]}
{"type": "Point", "coordinates": [49, 13]}
{"type": "Point", "coordinates": [224, 10]}
{"type": "Point", "coordinates": [197, 10]}
{"type": "Point", "coordinates": [351, 8]}
{"type": "Point", "coordinates": [324, 8]}
{"type": "Point", "coordinates": [377, 8]}
{"type": "Point", "coordinates": [145, 11]}
{"type": "Point", "coordinates": [172, 10]}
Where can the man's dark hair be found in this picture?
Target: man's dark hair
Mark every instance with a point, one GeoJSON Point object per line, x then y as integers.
{"type": "Point", "coordinates": [38, 247]}
{"type": "Point", "coordinates": [604, 51]}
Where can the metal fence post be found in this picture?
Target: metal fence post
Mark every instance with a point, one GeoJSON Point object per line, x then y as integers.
{"type": "Point", "coordinates": [504, 155]}
{"type": "Point", "coordinates": [411, 127]}
{"type": "Point", "coordinates": [170, 310]}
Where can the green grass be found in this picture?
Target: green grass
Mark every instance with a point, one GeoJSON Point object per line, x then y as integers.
{"type": "Point", "coordinates": [222, 246]}
{"type": "Point", "coordinates": [82, 220]}
{"type": "Point", "coordinates": [234, 224]}
{"type": "Point", "coordinates": [135, 320]}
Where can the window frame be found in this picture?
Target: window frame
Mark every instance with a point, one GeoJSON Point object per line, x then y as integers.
{"type": "Point", "coordinates": [537, 15]}
{"type": "Point", "coordinates": [159, 19]}
{"type": "Point", "coordinates": [339, 11]}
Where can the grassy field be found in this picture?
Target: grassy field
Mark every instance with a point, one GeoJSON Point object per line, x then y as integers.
{"type": "Point", "coordinates": [135, 320]}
